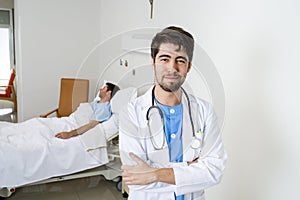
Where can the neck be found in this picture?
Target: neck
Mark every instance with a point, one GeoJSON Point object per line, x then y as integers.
{"type": "Point", "coordinates": [167, 98]}
{"type": "Point", "coordinates": [103, 100]}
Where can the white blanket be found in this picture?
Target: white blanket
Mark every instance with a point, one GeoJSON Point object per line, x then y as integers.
{"type": "Point", "coordinates": [30, 152]}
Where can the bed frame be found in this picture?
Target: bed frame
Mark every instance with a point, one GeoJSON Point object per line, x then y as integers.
{"type": "Point", "coordinates": [111, 171]}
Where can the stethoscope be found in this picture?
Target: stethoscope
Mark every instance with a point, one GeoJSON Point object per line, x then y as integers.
{"type": "Point", "coordinates": [196, 142]}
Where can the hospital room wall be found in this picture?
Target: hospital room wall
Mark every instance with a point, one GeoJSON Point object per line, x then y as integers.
{"type": "Point", "coordinates": [53, 38]}
{"type": "Point", "coordinates": [255, 48]}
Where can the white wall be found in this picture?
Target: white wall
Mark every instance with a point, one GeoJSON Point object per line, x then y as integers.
{"type": "Point", "coordinates": [53, 38]}
{"type": "Point", "coordinates": [254, 46]}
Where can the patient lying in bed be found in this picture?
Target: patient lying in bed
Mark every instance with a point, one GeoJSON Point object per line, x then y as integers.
{"type": "Point", "coordinates": [30, 152]}
{"type": "Point", "coordinates": [101, 109]}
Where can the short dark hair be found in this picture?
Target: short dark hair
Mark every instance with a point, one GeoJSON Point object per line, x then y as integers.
{"type": "Point", "coordinates": [174, 35]}
{"type": "Point", "coordinates": [113, 88]}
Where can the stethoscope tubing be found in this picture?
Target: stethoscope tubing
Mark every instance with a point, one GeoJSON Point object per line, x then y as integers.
{"type": "Point", "coordinates": [162, 117]}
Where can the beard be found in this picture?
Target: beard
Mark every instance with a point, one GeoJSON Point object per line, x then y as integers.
{"type": "Point", "coordinates": [172, 86]}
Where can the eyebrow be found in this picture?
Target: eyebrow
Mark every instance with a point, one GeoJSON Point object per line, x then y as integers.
{"type": "Point", "coordinates": [164, 55]}
{"type": "Point", "coordinates": [168, 56]}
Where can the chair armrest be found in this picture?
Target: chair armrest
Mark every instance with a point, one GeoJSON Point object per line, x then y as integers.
{"type": "Point", "coordinates": [49, 113]}
{"type": "Point", "coordinates": [5, 87]}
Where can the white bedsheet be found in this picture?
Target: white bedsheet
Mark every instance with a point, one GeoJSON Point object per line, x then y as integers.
{"type": "Point", "coordinates": [30, 152]}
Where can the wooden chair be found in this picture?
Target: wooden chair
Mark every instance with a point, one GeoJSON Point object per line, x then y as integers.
{"type": "Point", "coordinates": [7, 92]}
{"type": "Point", "coordinates": [72, 93]}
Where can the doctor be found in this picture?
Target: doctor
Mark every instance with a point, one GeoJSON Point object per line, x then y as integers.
{"type": "Point", "coordinates": [170, 143]}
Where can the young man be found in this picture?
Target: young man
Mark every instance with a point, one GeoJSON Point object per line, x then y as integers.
{"type": "Point", "coordinates": [183, 154]}
{"type": "Point", "coordinates": [101, 109]}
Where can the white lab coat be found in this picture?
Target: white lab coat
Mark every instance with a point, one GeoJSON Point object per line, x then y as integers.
{"type": "Point", "coordinates": [190, 180]}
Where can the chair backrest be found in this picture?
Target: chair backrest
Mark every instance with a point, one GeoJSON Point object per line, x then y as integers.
{"type": "Point", "coordinates": [72, 93]}
{"type": "Point", "coordinates": [8, 90]}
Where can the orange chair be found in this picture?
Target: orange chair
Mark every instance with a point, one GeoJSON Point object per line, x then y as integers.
{"type": "Point", "coordinates": [8, 92]}
{"type": "Point", "coordinates": [72, 93]}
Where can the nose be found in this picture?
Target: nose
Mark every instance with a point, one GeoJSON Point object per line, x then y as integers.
{"type": "Point", "coordinates": [172, 66]}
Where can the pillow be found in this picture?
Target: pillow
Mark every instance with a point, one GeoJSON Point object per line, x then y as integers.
{"type": "Point", "coordinates": [122, 98]}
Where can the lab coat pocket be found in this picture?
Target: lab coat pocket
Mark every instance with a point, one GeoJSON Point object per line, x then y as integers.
{"type": "Point", "coordinates": [197, 153]}
{"type": "Point", "coordinates": [198, 195]}
{"type": "Point", "coordinates": [191, 154]}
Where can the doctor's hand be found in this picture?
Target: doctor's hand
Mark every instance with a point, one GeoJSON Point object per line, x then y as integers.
{"type": "Point", "coordinates": [139, 174]}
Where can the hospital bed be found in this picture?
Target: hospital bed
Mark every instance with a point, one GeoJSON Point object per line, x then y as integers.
{"type": "Point", "coordinates": [51, 159]}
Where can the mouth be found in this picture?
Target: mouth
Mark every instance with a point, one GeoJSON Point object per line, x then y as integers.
{"type": "Point", "coordinates": [171, 78]}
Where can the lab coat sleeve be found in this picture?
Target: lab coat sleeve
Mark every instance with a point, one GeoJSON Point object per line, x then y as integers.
{"type": "Point", "coordinates": [132, 140]}
{"type": "Point", "coordinates": [209, 169]}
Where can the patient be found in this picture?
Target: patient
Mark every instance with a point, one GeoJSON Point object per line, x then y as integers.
{"type": "Point", "coordinates": [101, 110]}
{"type": "Point", "coordinates": [30, 152]}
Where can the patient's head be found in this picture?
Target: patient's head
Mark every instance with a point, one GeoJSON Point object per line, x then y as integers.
{"type": "Point", "coordinates": [174, 35]}
{"type": "Point", "coordinates": [108, 91]}
{"type": "Point", "coordinates": [113, 88]}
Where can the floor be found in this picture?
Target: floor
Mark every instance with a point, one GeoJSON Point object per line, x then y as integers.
{"type": "Point", "coordinates": [91, 188]}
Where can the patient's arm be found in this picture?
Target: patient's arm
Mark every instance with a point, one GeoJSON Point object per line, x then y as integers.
{"type": "Point", "coordinates": [78, 131]}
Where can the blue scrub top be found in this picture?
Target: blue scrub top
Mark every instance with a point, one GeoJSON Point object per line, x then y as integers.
{"type": "Point", "coordinates": [102, 111]}
{"type": "Point", "coordinates": [173, 132]}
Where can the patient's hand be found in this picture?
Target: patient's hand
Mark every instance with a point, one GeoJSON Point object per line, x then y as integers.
{"type": "Point", "coordinates": [66, 135]}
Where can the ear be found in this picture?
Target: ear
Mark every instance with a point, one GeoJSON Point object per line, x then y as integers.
{"type": "Point", "coordinates": [108, 94]}
{"type": "Point", "coordinates": [152, 62]}
{"type": "Point", "coordinates": [189, 67]}
{"type": "Point", "coordinates": [153, 66]}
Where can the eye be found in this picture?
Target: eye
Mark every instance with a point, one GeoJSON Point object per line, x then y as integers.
{"type": "Point", "coordinates": [180, 61]}
{"type": "Point", "coordinates": [164, 59]}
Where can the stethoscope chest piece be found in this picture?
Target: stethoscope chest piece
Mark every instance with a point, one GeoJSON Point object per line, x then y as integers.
{"type": "Point", "coordinates": [196, 143]}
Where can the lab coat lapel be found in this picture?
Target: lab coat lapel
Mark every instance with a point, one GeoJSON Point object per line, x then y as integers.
{"type": "Point", "coordinates": [187, 135]}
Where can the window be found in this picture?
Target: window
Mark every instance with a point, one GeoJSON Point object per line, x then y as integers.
{"type": "Point", "coordinates": [6, 45]}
